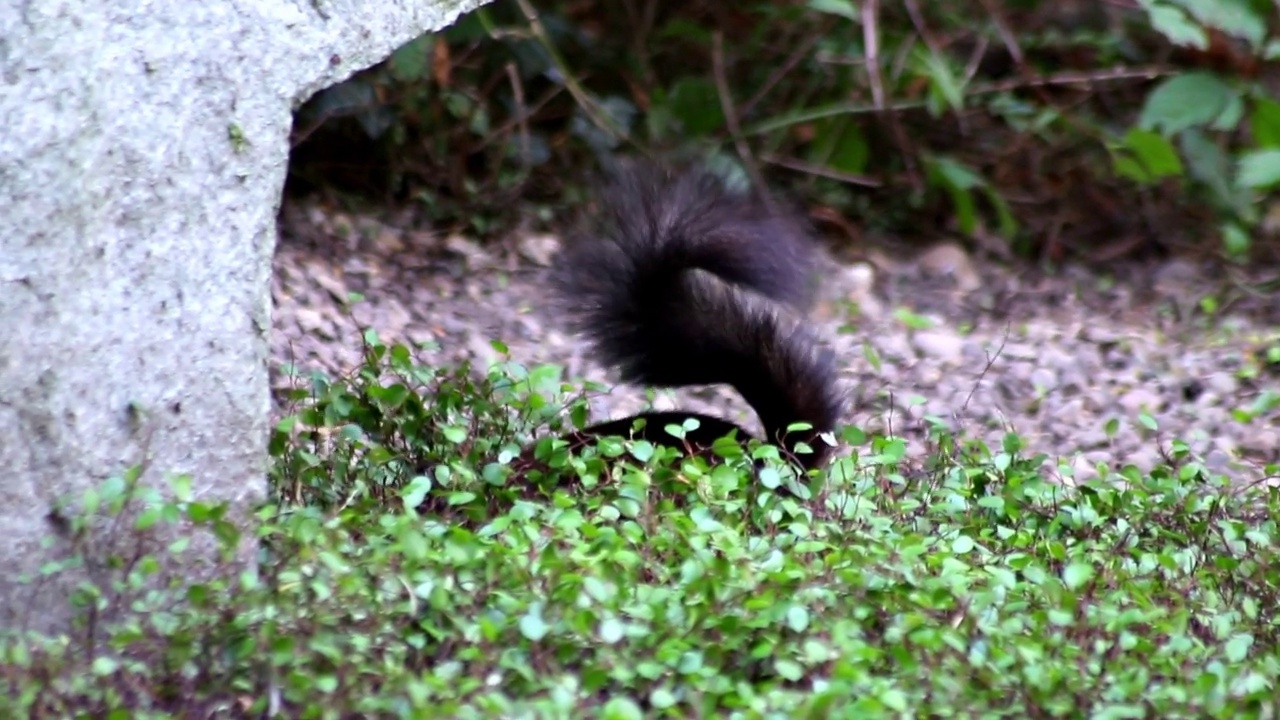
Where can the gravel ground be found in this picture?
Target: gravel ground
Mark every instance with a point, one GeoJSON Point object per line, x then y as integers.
{"type": "Point", "coordinates": [941, 334]}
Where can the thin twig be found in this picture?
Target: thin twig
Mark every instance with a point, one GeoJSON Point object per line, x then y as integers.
{"type": "Point", "coordinates": [917, 19]}
{"type": "Point", "coordinates": [975, 59]}
{"type": "Point", "coordinates": [991, 361]}
{"type": "Point", "coordinates": [522, 117]}
{"type": "Point", "coordinates": [1074, 78]}
{"type": "Point", "coordinates": [798, 54]}
{"type": "Point", "coordinates": [599, 118]}
{"type": "Point", "coordinates": [871, 40]}
{"type": "Point", "coordinates": [821, 171]}
{"type": "Point", "coordinates": [1066, 78]}
{"type": "Point", "coordinates": [1006, 35]}
{"type": "Point", "coordinates": [731, 120]}
{"type": "Point", "coordinates": [642, 22]}
{"type": "Point", "coordinates": [871, 43]}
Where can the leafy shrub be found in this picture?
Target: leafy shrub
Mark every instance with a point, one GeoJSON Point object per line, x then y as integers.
{"type": "Point", "coordinates": [973, 584]}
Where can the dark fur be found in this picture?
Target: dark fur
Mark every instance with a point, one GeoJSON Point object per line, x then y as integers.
{"type": "Point", "coordinates": [683, 281]}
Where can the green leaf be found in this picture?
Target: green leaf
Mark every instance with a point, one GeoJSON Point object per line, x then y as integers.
{"type": "Point", "coordinates": [842, 8]}
{"type": "Point", "coordinates": [326, 683]}
{"type": "Point", "coordinates": [181, 485]}
{"type": "Point", "coordinates": [416, 491]}
{"type": "Point", "coordinates": [611, 630]}
{"type": "Point", "coordinates": [840, 145]}
{"type": "Point", "coordinates": [1186, 101]}
{"type": "Point", "coordinates": [147, 519]}
{"type": "Point", "coordinates": [1152, 157]}
{"type": "Point", "coordinates": [695, 103]}
{"type": "Point", "coordinates": [946, 91]}
{"type": "Point", "coordinates": [955, 174]}
{"type": "Point", "coordinates": [1004, 217]}
{"type": "Point", "coordinates": [662, 698]}
{"type": "Point", "coordinates": [872, 356]}
{"type": "Point", "coordinates": [622, 708]}
{"type": "Point", "coordinates": [533, 627]}
{"type": "Point", "coordinates": [1207, 163]}
{"type": "Point", "coordinates": [1238, 647]}
{"type": "Point", "coordinates": [413, 60]}
{"type": "Point", "coordinates": [958, 181]}
{"type": "Point", "coordinates": [1259, 169]}
{"type": "Point", "coordinates": [797, 618]}
{"type": "Point", "coordinates": [1175, 25]}
{"type": "Point", "coordinates": [1077, 574]}
{"type": "Point", "coordinates": [1265, 122]}
{"type": "Point", "coordinates": [1233, 17]}
{"type": "Point", "coordinates": [461, 498]}
{"type": "Point", "coordinates": [789, 669]}
{"type": "Point", "coordinates": [895, 700]}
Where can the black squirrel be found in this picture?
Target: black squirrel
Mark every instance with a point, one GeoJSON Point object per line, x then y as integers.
{"type": "Point", "coordinates": [683, 280]}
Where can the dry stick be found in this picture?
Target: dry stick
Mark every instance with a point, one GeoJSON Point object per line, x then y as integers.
{"type": "Point", "coordinates": [871, 39]}
{"type": "Point", "coordinates": [975, 59]}
{"type": "Point", "coordinates": [1069, 78]}
{"type": "Point", "coordinates": [1006, 35]}
{"type": "Point", "coordinates": [517, 92]}
{"type": "Point", "coordinates": [600, 119]}
{"type": "Point", "coordinates": [787, 66]}
{"type": "Point", "coordinates": [821, 171]}
{"type": "Point", "coordinates": [731, 120]}
{"type": "Point", "coordinates": [642, 20]}
{"type": "Point", "coordinates": [917, 19]}
{"type": "Point", "coordinates": [1075, 78]}
{"type": "Point", "coordinates": [521, 119]}
{"type": "Point", "coordinates": [991, 361]}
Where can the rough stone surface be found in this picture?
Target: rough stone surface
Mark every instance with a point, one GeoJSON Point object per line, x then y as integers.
{"type": "Point", "coordinates": [141, 164]}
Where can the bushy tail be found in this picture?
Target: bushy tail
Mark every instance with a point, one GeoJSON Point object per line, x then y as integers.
{"type": "Point", "coordinates": [685, 281]}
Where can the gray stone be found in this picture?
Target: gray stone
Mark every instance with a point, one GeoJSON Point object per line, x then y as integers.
{"type": "Point", "coordinates": [1139, 400]}
{"type": "Point", "coordinates": [141, 165]}
{"type": "Point", "coordinates": [950, 262]}
{"type": "Point", "coordinates": [1264, 441]}
{"type": "Point", "coordinates": [1218, 462]}
{"type": "Point", "coordinates": [941, 345]}
{"type": "Point", "coordinates": [1044, 379]}
{"type": "Point", "coordinates": [1222, 383]}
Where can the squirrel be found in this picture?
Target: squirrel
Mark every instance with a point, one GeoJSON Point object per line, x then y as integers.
{"type": "Point", "coordinates": [683, 280]}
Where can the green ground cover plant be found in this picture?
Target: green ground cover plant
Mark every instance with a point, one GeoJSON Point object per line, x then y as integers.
{"type": "Point", "coordinates": [403, 571]}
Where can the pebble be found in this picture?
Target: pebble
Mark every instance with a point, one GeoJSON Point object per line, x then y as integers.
{"type": "Point", "coordinates": [1140, 400]}
{"type": "Point", "coordinates": [1224, 384]}
{"type": "Point", "coordinates": [1044, 379]}
{"type": "Point", "coordinates": [940, 345]}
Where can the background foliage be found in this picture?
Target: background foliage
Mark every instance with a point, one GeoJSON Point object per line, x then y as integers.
{"type": "Point", "coordinates": [1052, 129]}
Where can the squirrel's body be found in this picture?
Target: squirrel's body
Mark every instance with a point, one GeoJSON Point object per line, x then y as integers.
{"type": "Point", "coordinates": [684, 281]}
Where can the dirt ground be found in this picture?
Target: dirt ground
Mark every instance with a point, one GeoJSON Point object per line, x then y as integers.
{"type": "Point", "coordinates": [939, 334]}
